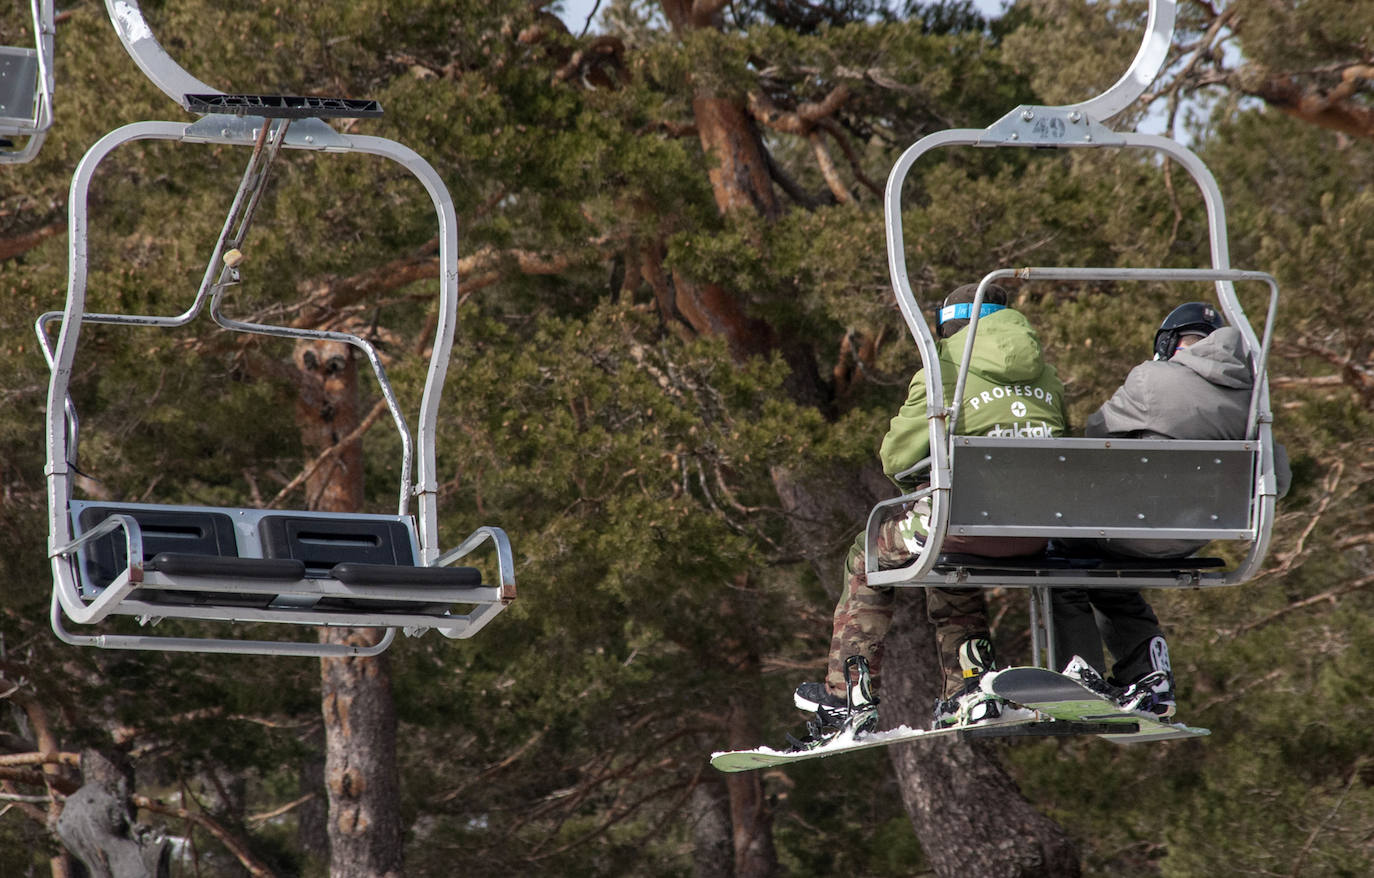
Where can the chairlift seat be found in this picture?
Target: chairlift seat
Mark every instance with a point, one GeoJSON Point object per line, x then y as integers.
{"type": "Point", "coordinates": [300, 553]}
{"type": "Point", "coordinates": [179, 543]}
{"type": "Point", "coordinates": [358, 551]}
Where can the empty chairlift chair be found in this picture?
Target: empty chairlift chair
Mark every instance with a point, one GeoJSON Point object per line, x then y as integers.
{"type": "Point", "coordinates": [1073, 488]}
{"type": "Point", "coordinates": [221, 565]}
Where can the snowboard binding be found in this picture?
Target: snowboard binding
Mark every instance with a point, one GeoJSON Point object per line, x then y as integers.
{"type": "Point", "coordinates": [857, 715]}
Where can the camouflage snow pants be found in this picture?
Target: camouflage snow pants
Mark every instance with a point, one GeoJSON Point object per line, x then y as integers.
{"type": "Point", "coordinates": [863, 615]}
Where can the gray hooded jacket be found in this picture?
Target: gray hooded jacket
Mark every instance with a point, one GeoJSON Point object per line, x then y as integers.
{"type": "Point", "coordinates": [1202, 393]}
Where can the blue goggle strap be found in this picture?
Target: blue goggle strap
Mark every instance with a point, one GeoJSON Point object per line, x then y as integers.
{"type": "Point", "coordinates": [964, 311]}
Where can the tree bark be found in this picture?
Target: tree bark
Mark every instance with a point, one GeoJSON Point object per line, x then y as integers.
{"type": "Point", "coordinates": [968, 813]}
{"type": "Point", "coordinates": [712, 846]}
{"type": "Point", "coordinates": [97, 825]}
{"type": "Point", "coordinates": [1335, 108]}
{"type": "Point", "coordinates": [365, 833]}
{"type": "Point", "coordinates": [750, 813]}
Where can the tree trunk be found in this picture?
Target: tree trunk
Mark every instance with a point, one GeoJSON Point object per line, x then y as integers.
{"type": "Point", "coordinates": [739, 168]}
{"type": "Point", "coordinates": [97, 825]}
{"type": "Point", "coordinates": [712, 846]}
{"type": "Point", "coordinates": [312, 817]}
{"type": "Point", "coordinates": [750, 814]}
{"type": "Point", "coordinates": [967, 812]}
{"type": "Point", "coordinates": [365, 834]}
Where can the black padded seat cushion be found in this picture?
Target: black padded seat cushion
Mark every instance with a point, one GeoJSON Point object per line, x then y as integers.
{"type": "Point", "coordinates": [359, 552]}
{"type": "Point", "coordinates": [353, 573]}
{"type": "Point", "coordinates": [181, 543]}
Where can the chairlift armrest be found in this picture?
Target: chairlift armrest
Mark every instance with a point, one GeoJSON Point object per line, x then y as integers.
{"type": "Point", "coordinates": [875, 518]}
{"type": "Point", "coordinates": [133, 541]}
{"type": "Point", "coordinates": [505, 563]}
{"type": "Point", "coordinates": [919, 465]}
{"type": "Point", "coordinates": [358, 573]}
{"type": "Point", "coordinates": [187, 564]}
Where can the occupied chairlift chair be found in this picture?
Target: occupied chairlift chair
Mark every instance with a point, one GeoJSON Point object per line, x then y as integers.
{"type": "Point", "coordinates": [225, 565]}
{"type": "Point", "coordinates": [1084, 488]}
{"type": "Point", "coordinates": [26, 86]}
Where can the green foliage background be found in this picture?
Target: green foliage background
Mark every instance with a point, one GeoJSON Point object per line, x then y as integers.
{"type": "Point", "coordinates": [633, 465]}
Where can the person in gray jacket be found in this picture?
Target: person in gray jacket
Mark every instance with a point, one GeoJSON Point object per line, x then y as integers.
{"type": "Point", "coordinates": [1198, 386]}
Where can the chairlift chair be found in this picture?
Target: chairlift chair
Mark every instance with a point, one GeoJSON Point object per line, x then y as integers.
{"type": "Point", "coordinates": [221, 565]}
{"type": "Point", "coordinates": [1075, 488]}
{"type": "Point", "coordinates": [26, 87]}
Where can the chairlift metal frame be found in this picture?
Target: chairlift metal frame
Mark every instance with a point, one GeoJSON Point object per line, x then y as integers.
{"type": "Point", "coordinates": [26, 89]}
{"type": "Point", "coordinates": [1077, 126]}
{"type": "Point", "coordinates": [73, 597]}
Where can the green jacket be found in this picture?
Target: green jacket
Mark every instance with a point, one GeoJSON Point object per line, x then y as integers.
{"type": "Point", "coordinates": [1011, 391]}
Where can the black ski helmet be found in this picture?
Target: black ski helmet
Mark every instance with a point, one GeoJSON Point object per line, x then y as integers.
{"type": "Point", "coordinates": [1188, 319]}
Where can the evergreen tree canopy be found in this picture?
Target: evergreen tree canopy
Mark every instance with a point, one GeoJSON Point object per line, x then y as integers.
{"type": "Point", "coordinates": [674, 364]}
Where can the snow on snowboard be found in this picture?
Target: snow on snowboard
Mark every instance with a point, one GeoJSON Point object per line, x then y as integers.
{"type": "Point", "coordinates": [847, 741]}
{"type": "Point", "coordinates": [1067, 708]}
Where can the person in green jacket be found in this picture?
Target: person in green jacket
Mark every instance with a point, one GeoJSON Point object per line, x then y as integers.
{"type": "Point", "coordinates": [1010, 391]}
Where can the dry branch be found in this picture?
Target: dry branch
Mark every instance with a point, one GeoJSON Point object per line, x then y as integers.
{"type": "Point", "coordinates": [254, 866]}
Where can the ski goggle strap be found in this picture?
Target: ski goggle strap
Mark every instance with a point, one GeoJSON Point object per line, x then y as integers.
{"type": "Point", "coordinates": [964, 311]}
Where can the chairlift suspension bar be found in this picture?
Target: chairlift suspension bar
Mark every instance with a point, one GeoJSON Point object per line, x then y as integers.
{"type": "Point", "coordinates": [148, 54]}
{"type": "Point", "coordinates": [249, 193]}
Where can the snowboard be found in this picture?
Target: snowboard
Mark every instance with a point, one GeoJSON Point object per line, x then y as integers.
{"type": "Point", "coordinates": [847, 742]}
{"type": "Point", "coordinates": [1064, 698]}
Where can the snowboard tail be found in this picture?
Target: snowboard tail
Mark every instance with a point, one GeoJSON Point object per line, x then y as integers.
{"type": "Point", "coordinates": [1064, 698]}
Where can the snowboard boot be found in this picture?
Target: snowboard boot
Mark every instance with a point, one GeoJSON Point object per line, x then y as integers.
{"type": "Point", "coordinates": [855, 713]}
{"type": "Point", "coordinates": [810, 697]}
{"type": "Point", "coordinates": [1152, 692]}
{"type": "Point", "coordinates": [971, 706]}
